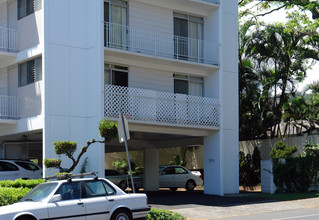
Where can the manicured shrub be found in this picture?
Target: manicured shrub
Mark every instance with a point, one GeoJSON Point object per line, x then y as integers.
{"type": "Point", "coordinates": [12, 195]}
{"type": "Point", "coordinates": [160, 214]}
{"type": "Point", "coordinates": [21, 183]}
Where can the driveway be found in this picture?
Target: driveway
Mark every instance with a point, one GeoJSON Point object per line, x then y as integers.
{"type": "Point", "coordinates": [196, 205]}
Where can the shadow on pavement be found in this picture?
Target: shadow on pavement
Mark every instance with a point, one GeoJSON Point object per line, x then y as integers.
{"type": "Point", "coordinates": [165, 199]}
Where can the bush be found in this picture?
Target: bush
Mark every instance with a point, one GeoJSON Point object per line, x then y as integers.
{"type": "Point", "coordinates": [160, 214]}
{"type": "Point", "coordinates": [12, 191]}
{"type": "Point", "coordinates": [21, 183]}
{"type": "Point", "coordinates": [249, 168]}
{"type": "Point", "coordinates": [282, 150]}
{"type": "Point", "coordinates": [295, 174]}
{"type": "Point", "coordinates": [11, 195]}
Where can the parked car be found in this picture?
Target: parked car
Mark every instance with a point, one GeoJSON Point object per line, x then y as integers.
{"type": "Point", "coordinates": [174, 177]}
{"type": "Point", "coordinates": [116, 177]}
{"type": "Point", "coordinates": [93, 198]}
{"type": "Point", "coordinates": [15, 169]}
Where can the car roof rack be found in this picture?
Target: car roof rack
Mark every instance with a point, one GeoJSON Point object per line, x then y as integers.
{"type": "Point", "coordinates": [69, 176]}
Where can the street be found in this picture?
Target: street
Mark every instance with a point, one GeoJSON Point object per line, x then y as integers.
{"type": "Point", "coordinates": [197, 206]}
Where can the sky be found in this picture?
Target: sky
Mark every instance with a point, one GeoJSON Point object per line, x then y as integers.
{"type": "Point", "coordinates": [313, 74]}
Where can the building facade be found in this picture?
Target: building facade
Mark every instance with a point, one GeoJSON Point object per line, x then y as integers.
{"type": "Point", "coordinates": [169, 65]}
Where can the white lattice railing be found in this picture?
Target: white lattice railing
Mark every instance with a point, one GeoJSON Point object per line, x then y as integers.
{"type": "Point", "coordinates": [158, 44]}
{"type": "Point", "coordinates": [8, 39]}
{"type": "Point", "coordinates": [9, 107]}
{"type": "Point", "coordinates": [161, 107]}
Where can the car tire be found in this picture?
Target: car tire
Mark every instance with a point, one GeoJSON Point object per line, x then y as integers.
{"type": "Point", "coordinates": [173, 189]}
{"type": "Point", "coordinates": [26, 217]}
{"type": "Point", "coordinates": [122, 185]}
{"type": "Point", "coordinates": [190, 185]}
{"type": "Point", "coordinates": [121, 214]}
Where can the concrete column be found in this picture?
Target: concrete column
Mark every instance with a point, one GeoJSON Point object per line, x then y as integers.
{"type": "Point", "coordinates": [151, 164]}
{"type": "Point", "coordinates": [213, 169]}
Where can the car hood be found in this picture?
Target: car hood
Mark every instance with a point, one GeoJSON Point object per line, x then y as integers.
{"type": "Point", "coordinates": [22, 207]}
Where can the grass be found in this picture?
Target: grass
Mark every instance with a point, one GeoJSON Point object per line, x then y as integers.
{"type": "Point", "coordinates": [287, 196]}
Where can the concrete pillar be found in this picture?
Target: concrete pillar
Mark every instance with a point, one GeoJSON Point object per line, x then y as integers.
{"type": "Point", "coordinates": [151, 166]}
{"type": "Point", "coordinates": [213, 169]}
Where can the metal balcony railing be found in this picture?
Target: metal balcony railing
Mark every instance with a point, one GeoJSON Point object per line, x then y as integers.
{"type": "Point", "coordinates": [8, 40]}
{"type": "Point", "coordinates": [161, 107]}
{"type": "Point", "coordinates": [9, 107]}
{"type": "Point", "coordinates": [160, 44]}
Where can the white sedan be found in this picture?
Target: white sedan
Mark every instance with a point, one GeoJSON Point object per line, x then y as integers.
{"type": "Point", "coordinates": [174, 177]}
{"type": "Point", "coordinates": [77, 199]}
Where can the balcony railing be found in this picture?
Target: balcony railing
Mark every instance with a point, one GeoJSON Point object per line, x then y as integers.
{"type": "Point", "coordinates": [161, 107]}
{"type": "Point", "coordinates": [160, 44]}
{"type": "Point", "coordinates": [9, 107]}
{"type": "Point", "coordinates": [8, 40]}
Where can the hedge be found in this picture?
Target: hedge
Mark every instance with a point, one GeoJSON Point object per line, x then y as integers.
{"type": "Point", "coordinates": [31, 183]}
{"type": "Point", "coordinates": [160, 214]}
{"type": "Point", "coordinates": [12, 195]}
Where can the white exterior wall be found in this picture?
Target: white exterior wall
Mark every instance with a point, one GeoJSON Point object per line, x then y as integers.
{"type": "Point", "coordinates": [3, 15]}
{"type": "Point", "coordinates": [73, 77]}
{"type": "Point", "coordinates": [3, 81]}
{"type": "Point", "coordinates": [151, 79]}
{"type": "Point", "coordinates": [221, 148]}
{"type": "Point", "coordinates": [30, 30]}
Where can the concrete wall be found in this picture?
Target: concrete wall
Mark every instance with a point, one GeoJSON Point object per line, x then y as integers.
{"type": "Point", "coordinates": [73, 77]}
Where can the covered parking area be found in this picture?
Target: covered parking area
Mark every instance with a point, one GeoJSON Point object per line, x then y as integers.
{"type": "Point", "coordinates": [150, 150]}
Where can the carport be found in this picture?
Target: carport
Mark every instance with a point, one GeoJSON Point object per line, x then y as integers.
{"type": "Point", "coordinates": [150, 144]}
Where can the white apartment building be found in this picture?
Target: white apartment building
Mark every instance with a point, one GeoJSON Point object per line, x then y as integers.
{"type": "Point", "coordinates": [169, 65]}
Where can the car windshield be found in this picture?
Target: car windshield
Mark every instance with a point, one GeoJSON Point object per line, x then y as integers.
{"type": "Point", "coordinates": [40, 192]}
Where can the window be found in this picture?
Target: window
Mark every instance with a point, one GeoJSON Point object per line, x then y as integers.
{"type": "Point", "coordinates": [70, 191]}
{"type": "Point", "coordinates": [30, 72]}
{"type": "Point", "coordinates": [98, 188]}
{"type": "Point", "coordinates": [27, 166]}
{"type": "Point", "coordinates": [5, 166]}
{"type": "Point", "coordinates": [115, 18]}
{"type": "Point", "coordinates": [116, 75]}
{"type": "Point", "coordinates": [27, 7]}
{"type": "Point", "coordinates": [188, 85]}
{"type": "Point", "coordinates": [188, 31]}
{"type": "Point", "coordinates": [180, 170]}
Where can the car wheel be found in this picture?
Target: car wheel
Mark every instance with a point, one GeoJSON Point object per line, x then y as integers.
{"type": "Point", "coordinates": [190, 185]}
{"type": "Point", "coordinates": [121, 214]}
{"type": "Point", "coordinates": [26, 217]}
{"type": "Point", "coordinates": [123, 185]}
{"type": "Point", "coordinates": [173, 189]}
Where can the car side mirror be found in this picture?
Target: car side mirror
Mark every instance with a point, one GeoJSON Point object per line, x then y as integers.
{"type": "Point", "coordinates": [56, 198]}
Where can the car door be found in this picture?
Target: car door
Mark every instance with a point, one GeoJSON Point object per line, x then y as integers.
{"type": "Point", "coordinates": [181, 176]}
{"type": "Point", "coordinates": [71, 206]}
{"type": "Point", "coordinates": [98, 199]}
{"type": "Point", "coordinates": [8, 171]}
{"type": "Point", "coordinates": [167, 177]}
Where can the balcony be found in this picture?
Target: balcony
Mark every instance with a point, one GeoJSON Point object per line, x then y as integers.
{"type": "Point", "coordinates": [160, 44]}
{"type": "Point", "coordinates": [162, 108]}
{"type": "Point", "coordinates": [8, 40]}
{"type": "Point", "coordinates": [9, 108]}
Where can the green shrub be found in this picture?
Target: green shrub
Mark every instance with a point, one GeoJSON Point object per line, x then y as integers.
{"type": "Point", "coordinates": [65, 147]}
{"type": "Point", "coordinates": [160, 214]}
{"type": "Point", "coordinates": [249, 168]}
{"type": "Point", "coordinates": [21, 183]}
{"type": "Point", "coordinates": [52, 163]}
{"type": "Point", "coordinates": [295, 174]}
{"type": "Point", "coordinates": [11, 195]}
{"type": "Point", "coordinates": [282, 150]}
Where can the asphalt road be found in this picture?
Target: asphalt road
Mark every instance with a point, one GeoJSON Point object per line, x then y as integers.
{"type": "Point", "coordinates": [196, 205]}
